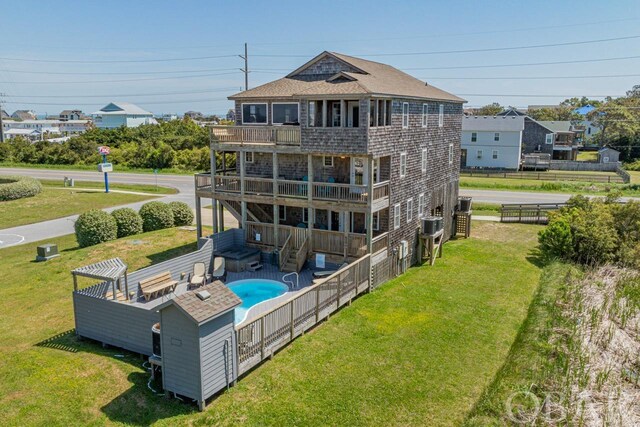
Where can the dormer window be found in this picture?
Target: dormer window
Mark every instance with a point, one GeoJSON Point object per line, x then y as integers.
{"type": "Point", "coordinates": [254, 113]}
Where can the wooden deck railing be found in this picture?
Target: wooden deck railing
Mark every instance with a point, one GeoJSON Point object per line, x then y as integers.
{"type": "Point", "coordinates": [339, 243]}
{"type": "Point", "coordinates": [530, 213]}
{"type": "Point", "coordinates": [380, 242]}
{"type": "Point", "coordinates": [256, 134]}
{"type": "Point", "coordinates": [346, 192]}
{"type": "Point", "coordinates": [290, 188]}
{"type": "Point", "coordinates": [260, 338]}
{"type": "Point", "coordinates": [227, 183]}
{"type": "Point", "coordinates": [380, 190]}
{"type": "Point", "coordinates": [203, 181]}
{"type": "Point", "coordinates": [262, 186]}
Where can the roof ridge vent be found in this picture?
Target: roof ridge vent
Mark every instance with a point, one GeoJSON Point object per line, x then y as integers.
{"type": "Point", "coordinates": [203, 295]}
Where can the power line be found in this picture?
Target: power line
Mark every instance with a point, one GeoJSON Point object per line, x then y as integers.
{"type": "Point", "coordinates": [538, 95]}
{"type": "Point", "coordinates": [122, 80]}
{"type": "Point", "coordinates": [581, 61]}
{"type": "Point", "coordinates": [185, 101]}
{"type": "Point", "coordinates": [119, 61]}
{"type": "Point", "coordinates": [443, 52]}
{"type": "Point", "coordinates": [532, 78]}
{"type": "Point", "coordinates": [226, 89]}
{"type": "Point", "coordinates": [73, 73]}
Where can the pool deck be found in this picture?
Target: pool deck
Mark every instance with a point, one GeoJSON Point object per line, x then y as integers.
{"type": "Point", "coordinates": [270, 272]}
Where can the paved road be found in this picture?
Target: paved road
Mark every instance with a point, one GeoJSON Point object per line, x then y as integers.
{"type": "Point", "coordinates": [500, 197]}
{"type": "Point", "coordinates": [62, 226]}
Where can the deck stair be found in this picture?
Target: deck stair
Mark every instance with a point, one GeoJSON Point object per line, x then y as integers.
{"type": "Point", "coordinates": [293, 254]}
{"type": "Point", "coordinates": [235, 208]}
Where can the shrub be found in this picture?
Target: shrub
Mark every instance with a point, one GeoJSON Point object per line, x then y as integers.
{"type": "Point", "coordinates": [556, 240]}
{"type": "Point", "coordinates": [95, 226]}
{"type": "Point", "coordinates": [17, 187]}
{"type": "Point", "coordinates": [156, 216]}
{"type": "Point", "coordinates": [129, 222]}
{"type": "Point", "coordinates": [182, 213]}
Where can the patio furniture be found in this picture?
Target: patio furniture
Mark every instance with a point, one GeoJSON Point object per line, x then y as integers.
{"type": "Point", "coordinates": [157, 285]}
{"type": "Point", "coordinates": [327, 273]}
{"type": "Point", "coordinates": [199, 276]}
{"type": "Point", "coordinates": [219, 270]}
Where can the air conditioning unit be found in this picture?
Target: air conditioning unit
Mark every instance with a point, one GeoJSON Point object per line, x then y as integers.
{"type": "Point", "coordinates": [431, 225]}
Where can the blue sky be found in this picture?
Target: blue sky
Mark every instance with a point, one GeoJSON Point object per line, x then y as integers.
{"type": "Point", "coordinates": [70, 31]}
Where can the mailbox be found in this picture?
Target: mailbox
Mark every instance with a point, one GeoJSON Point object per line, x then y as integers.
{"type": "Point", "coordinates": [105, 167]}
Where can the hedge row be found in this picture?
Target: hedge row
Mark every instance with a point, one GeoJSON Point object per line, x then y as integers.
{"type": "Point", "coordinates": [17, 187]}
{"type": "Point", "coordinates": [96, 226]}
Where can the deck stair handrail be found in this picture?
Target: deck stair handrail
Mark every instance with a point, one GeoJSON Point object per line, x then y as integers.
{"type": "Point", "coordinates": [285, 251]}
{"type": "Point", "coordinates": [285, 279]}
{"type": "Point", "coordinates": [259, 338]}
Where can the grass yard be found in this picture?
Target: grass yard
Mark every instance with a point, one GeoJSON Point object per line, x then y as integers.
{"type": "Point", "coordinates": [486, 209]}
{"type": "Point", "coordinates": [117, 168]}
{"type": "Point", "coordinates": [420, 350]}
{"type": "Point", "coordinates": [143, 188]}
{"type": "Point", "coordinates": [587, 156]}
{"type": "Point", "coordinates": [56, 202]}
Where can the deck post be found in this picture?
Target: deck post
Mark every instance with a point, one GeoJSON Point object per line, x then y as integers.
{"type": "Point", "coordinates": [339, 289]}
{"type": "Point", "coordinates": [198, 218]}
{"type": "Point", "coordinates": [214, 215]}
{"type": "Point", "coordinates": [242, 190]}
{"type": "Point", "coordinates": [75, 282]}
{"type": "Point", "coordinates": [276, 208]}
{"type": "Point", "coordinates": [262, 338]}
{"type": "Point", "coordinates": [324, 113]}
{"type": "Point", "coordinates": [317, 304]}
{"type": "Point", "coordinates": [292, 321]}
{"type": "Point", "coordinates": [126, 284]}
{"type": "Point", "coordinates": [369, 214]}
{"type": "Point", "coordinates": [220, 217]}
{"type": "Point", "coordinates": [311, 213]}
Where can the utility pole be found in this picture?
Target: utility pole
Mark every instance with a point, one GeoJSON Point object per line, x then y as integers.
{"type": "Point", "coordinates": [245, 70]}
{"type": "Point", "coordinates": [1, 125]}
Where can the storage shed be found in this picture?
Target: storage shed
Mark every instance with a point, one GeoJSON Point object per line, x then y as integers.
{"type": "Point", "coordinates": [198, 342]}
{"type": "Point", "coordinates": [608, 155]}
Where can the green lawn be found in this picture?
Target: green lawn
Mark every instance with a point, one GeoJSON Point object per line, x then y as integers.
{"type": "Point", "coordinates": [116, 168]}
{"type": "Point", "coordinates": [143, 188]}
{"type": "Point", "coordinates": [587, 156]}
{"type": "Point", "coordinates": [420, 350]}
{"type": "Point", "coordinates": [56, 202]}
{"type": "Point", "coordinates": [486, 209]}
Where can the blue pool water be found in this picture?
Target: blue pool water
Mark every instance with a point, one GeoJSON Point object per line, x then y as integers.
{"type": "Point", "coordinates": [254, 291]}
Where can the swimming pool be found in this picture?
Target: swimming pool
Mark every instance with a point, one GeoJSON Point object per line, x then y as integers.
{"type": "Point", "coordinates": [254, 291]}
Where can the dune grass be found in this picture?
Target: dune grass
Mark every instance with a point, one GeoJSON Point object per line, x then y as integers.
{"type": "Point", "coordinates": [420, 350]}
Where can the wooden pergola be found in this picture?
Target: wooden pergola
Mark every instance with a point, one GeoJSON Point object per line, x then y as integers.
{"type": "Point", "coordinates": [111, 270]}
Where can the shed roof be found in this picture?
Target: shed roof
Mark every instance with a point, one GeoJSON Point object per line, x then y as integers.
{"type": "Point", "coordinates": [493, 123]}
{"type": "Point", "coordinates": [608, 149]}
{"type": "Point", "coordinates": [222, 299]}
{"type": "Point", "coordinates": [360, 77]}
{"type": "Point", "coordinates": [109, 270]}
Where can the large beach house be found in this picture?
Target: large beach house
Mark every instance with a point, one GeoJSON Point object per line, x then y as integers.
{"type": "Point", "coordinates": [343, 154]}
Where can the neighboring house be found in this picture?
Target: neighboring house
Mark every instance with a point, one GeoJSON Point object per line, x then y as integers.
{"type": "Point", "coordinates": [194, 115]}
{"type": "Point", "coordinates": [45, 128]}
{"type": "Point", "coordinates": [231, 115]}
{"type": "Point", "coordinates": [608, 155]}
{"type": "Point", "coordinates": [556, 138]}
{"type": "Point", "coordinates": [493, 142]}
{"type": "Point", "coordinates": [118, 114]}
{"type": "Point", "coordinates": [168, 117]}
{"type": "Point", "coordinates": [71, 115]}
{"type": "Point", "coordinates": [4, 114]}
{"type": "Point", "coordinates": [30, 134]}
{"type": "Point", "coordinates": [23, 115]}
{"type": "Point", "coordinates": [358, 152]}
{"type": "Point", "coordinates": [512, 112]}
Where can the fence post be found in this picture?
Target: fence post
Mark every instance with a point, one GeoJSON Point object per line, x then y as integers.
{"type": "Point", "coordinates": [262, 338]}
{"type": "Point", "coordinates": [317, 304]}
{"type": "Point", "coordinates": [292, 323]}
{"type": "Point", "coordinates": [339, 289]}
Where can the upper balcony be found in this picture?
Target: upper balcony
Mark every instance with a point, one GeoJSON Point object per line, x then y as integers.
{"type": "Point", "coordinates": [256, 135]}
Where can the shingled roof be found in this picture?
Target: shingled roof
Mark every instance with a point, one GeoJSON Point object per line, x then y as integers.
{"type": "Point", "coordinates": [222, 299]}
{"type": "Point", "coordinates": [359, 77]}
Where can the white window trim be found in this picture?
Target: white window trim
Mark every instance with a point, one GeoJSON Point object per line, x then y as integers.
{"type": "Point", "coordinates": [423, 164]}
{"type": "Point", "coordinates": [253, 156]}
{"type": "Point", "coordinates": [305, 215]}
{"type": "Point", "coordinates": [396, 216]}
{"type": "Point", "coordinates": [474, 136]}
{"type": "Point", "coordinates": [425, 115]}
{"type": "Point", "coordinates": [495, 154]}
{"type": "Point", "coordinates": [324, 162]}
{"type": "Point", "coordinates": [266, 104]}
{"type": "Point", "coordinates": [450, 154]}
{"type": "Point", "coordinates": [282, 209]}
{"type": "Point", "coordinates": [479, 154]}
{"type": "Point", "coordinates": [441, 115]}
{"type": "Point", "coordinates": [409, 210]}
{"type": "Point", "coordinates": [280, 103]}
{"type": "Point", "coordinates": [546, 138]}
{"type": "Point", "coordinates": [403, 156]}
{"type": "Point", "coordinates": [496, 136]}
{"type": "Point", "coordinates": [376, 221]}
{"type": "Point", "coordinates": [420, 205]}
{"type": "Point", "coordinates": [405, 126]}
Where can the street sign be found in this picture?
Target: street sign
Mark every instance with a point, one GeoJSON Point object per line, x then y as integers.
{"type": "Point", "coordinates": [104, 150]}
{"type": "Point", "coordinates": [105, 167]}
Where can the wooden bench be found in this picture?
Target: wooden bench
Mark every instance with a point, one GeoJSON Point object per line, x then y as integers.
{"type": "Point", "coordinates": [157, 285]}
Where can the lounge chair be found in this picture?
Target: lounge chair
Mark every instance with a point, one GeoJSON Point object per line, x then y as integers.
{"type": "Point", "coordinates": [199, 276]}
{"type": "Point", "coordinates": [219, 270]}
{"type": "Point", "coordinates": [327, 273]}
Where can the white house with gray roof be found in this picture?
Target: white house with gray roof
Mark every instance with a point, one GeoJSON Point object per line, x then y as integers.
{"type": "Point", "coordinates": [118, 114]}
{"type": "Point", "coordinates": [491, 142]}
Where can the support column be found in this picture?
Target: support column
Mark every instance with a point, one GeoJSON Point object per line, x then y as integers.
{"type": "Point", "coordinates": [220, 217]}
{"type": "Point", "coordinates": [347, 226]}
{"type": "Point", "coordinates": [198, 217]}
{"type": "Point", "coordinates": [276, 209]}
{"type": "Point", "coordinates": [324, 113]}
{"type": "Point", "coordinates": [369, 214]}
{"type": "Point", "coordinates": [213, 166]}
{"type": "Point", "coordinates": [311, 211]}
{"type": "Point", "coordinates": [343, 110]}
{"type": "Point", "coordinates": [242, 190]}
{"type": "Point", "coordinates": [214, 215]}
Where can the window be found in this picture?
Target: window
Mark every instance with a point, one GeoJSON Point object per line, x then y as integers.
{"type": "Point", "coordinates": [254, 113]}
{"type": "Point", "coordinates": [403, 165]}
{"type": "Point", "coordinates": [409, 210]}
{"type": "Point", "coordinates": [312, 114]}
{"type": "Point", "coordinates": [424, 160]}
{"type": "Point", "coordinates": [425, 115]}
{"type": "Point", "coordinates": [420, 205]}
{"type": "Point", "coordinates": [388, 113]}
{"type": "Point", "coordinates": [474, 137]}
{"type": "Point", "coordinates": [479, 154]}
{"type": "Point", "coordinates": [284, 113]}
{"type": "Point", "coordinates": [305, 215]}
{"type": "Point", "coordinates": [248, 157]}
{"type": "Point", "coordinates": [441, 115]}
{"type": "Point", "coordinates": [282, 213]}
{"type": "Point", "coordinates": [376, 221]}
{"type": "Point", "coordinates": [396, 216]}
{"type": "Point", "coordinates": [548, 138]}
{"type": "Point", "coordinates": [450, 154]}
{"type": "Point", "coordinates": [495, 154]}
{"type": "Point", "coordinates": [405, 115]}
{"type": "Point", "coordinates": [327, 161]}
{"type": "Point", "coordinates": [496, 136]}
